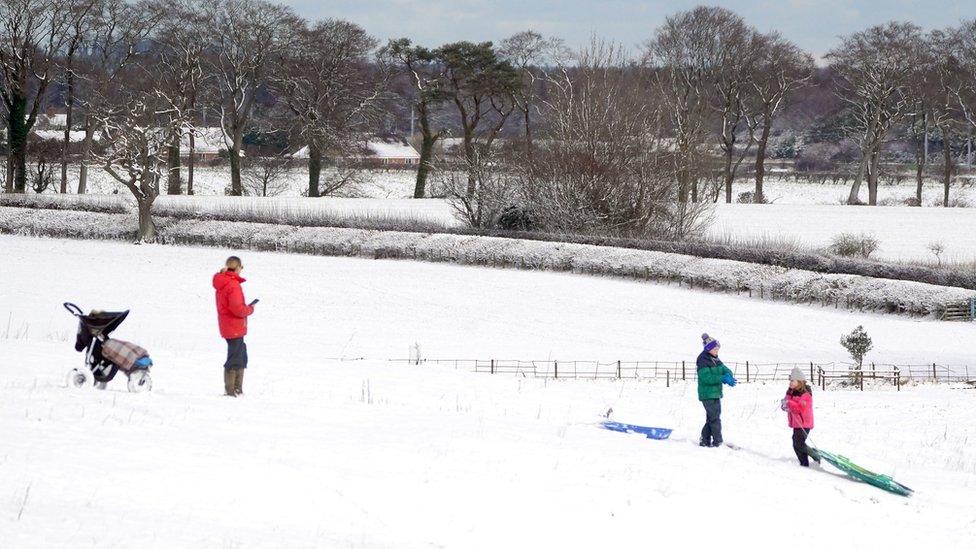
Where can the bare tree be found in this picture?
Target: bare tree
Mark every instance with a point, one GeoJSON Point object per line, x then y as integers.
{"type": "Point", "coordinates": [685, 55]}
{"type": "Point", "coordinates": [875, 68]}
{"type": "Point", "coordinates": [966, 86]}
{"type": "Point", "coordinates": [137, 118]}
{"type": "Point", "coordinates": [244, 36]}
{"type": "Point", "coordinates": [332, 92]}
{"type": "Point", "coordinates": [116, 31]}
{"type": "Point", "coordinates": [944, 54]}
{"type": "Point", "coordinates": [530, 53]}
{"type": "Point", "coordinates": [266, 176]}
{"type": "Point", "coordinates": [428, 90]}
{"type": "Point", "coordinates": [734, 99]}
{"type": "Point", "coordinates": [180, 45]}
{"type": "Point", "coordinates": [781, 69]}
{"type": "Point", "coordinates": [32, 34]}
{"type": "Point", "coordinates": [81, 21]}
{"type": "Point", "coordinates": [601, 167]}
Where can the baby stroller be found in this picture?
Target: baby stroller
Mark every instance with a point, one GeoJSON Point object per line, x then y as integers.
{"type": "Point", "coordinates": [104, 357]}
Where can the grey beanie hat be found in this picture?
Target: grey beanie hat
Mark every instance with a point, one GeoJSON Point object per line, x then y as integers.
{"type": "Point", "coordinates": [797, 375]}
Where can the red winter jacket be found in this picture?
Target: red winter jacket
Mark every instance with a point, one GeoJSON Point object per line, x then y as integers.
{"type": "Point", "coordinates": [799, 409]}
{"type": "Point", "coordinates": [232, 312]}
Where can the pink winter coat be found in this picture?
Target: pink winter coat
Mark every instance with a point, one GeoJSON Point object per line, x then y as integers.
{"type": "Point", "coordinates": [799, 409]}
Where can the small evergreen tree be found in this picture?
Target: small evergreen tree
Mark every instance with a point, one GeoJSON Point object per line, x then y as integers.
{"type": "Point", "coordinates": [857, 343]}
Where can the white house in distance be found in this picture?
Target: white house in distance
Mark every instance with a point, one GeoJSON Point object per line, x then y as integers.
{"type": "Point", "coordinates": [208, 142]}
{"type": "Point", "coordinates": [386, 152]}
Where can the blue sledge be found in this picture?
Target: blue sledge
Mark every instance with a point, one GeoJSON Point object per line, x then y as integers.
{"type": "Point", "coordinates": [656, 433]}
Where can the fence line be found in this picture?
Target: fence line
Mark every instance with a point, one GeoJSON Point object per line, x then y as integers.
{"type": "Point", "coordinates": [748, 372]}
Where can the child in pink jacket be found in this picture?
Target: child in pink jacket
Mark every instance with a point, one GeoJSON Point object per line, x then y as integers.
{"type": "Point", "coordinates": [798, 405]}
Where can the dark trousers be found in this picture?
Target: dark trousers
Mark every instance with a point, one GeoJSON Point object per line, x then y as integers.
{"type": "Point", "coordinates": [712, 431]}
{"type": "Point", "coordinates": [234, 366]}
{"type": "Point", "coordinates": [800, 447]}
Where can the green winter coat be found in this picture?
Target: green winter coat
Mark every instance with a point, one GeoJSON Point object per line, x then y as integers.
{"type": "Point", "coordinates": [710, 372]}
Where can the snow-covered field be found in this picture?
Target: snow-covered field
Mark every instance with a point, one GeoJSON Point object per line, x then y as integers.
{"type": "Point", "coordinates": [904, 233]}
{"type": "Point", "coordinates": [325, 453]}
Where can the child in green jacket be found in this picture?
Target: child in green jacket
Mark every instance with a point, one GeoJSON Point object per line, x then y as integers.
{"type": "Point", "coordinates": [712, 373]}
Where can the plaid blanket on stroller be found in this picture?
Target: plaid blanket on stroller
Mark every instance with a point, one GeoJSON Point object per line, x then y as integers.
{"type": "Point", "coordinates": [122, 353]}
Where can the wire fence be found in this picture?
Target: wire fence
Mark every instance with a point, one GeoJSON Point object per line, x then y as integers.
{"type": "Point", "coordinates": [822, 374]}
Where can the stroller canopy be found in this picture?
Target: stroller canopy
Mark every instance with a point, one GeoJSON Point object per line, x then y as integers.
{"type": "Point", "coordinates": [94, 324]}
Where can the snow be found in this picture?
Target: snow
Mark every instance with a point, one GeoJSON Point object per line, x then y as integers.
{"type": "Point", "coordinates": [904, 233]}
{"type": "Point", "coordinates": [369, 453]}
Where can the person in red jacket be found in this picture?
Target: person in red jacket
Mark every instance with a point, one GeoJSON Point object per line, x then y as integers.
{"type": "Point", "coordinates": [232, 313]}
{"type": "Point", "coordinates": [798, 404]}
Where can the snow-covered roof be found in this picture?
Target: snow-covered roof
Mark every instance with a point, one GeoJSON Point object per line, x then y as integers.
{"type": "Point", "coordinates": [390, 148]}
{"type": "Point", "coordinates": [58, 120]}
{"type": "Point", "coordinates": [382, 149]}
{"type": "Point", "coordinates": [75, 136]}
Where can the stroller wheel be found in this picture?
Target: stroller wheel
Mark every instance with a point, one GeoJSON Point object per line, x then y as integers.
{"type": "Point", "coordinates": [80, 377]}
{"type": "Point", "coordinates": [140, 381]}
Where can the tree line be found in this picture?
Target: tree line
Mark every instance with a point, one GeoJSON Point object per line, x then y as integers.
{"type": "Point", "coordinates": [599, 139]}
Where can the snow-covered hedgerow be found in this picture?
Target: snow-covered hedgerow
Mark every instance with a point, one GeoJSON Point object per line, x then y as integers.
{"type": "Point", "coordinates": [758, 280]}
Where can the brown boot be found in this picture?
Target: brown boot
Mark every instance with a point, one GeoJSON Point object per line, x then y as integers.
{"type": "Point", "coordinates": [229, 378]}
{"type": "Point", "coordinates": [239, 382]}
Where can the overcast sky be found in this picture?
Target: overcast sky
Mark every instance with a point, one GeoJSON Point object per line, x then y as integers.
{"type": "Point", "coordinates": [813, 24]}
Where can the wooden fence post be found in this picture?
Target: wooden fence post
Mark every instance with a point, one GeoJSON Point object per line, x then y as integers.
{"type": "Point", "coordinates": [492, 365]}
{"type": "Point", "coordinates": [861, 378]}
{"type": "Point", "coordinates": [934, 376]}
{"type": "Point", "coordinates": [555, 368]}
{"type": "Point", "coordinates": [873, 374]}
{"type": "Point", "coordinates": [897, 378]}
{"type": "Point", "coordinates": [618, 369]}
{"type": "Point", "coordinates": [747, 371]}
{"type": "Point", "coordinates": [811, 371]}
{"type": "Point", "coordinates": [682, 370]}
{"type": "Point", "coordinates": [669, 378]}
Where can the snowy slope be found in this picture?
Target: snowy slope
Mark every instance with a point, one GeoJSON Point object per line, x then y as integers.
{"type": "Point", "coordinates": [322, 453]}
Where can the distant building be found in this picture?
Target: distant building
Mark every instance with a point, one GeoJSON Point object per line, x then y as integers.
{"type": "Point", "coordinates": [386, 152]}
{"type": "Point", "coordinates": [208, 144]}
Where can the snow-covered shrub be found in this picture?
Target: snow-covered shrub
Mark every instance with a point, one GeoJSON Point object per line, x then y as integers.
{"type": "Point", "coordinates": [854, 245]}
{"type": "Point", "coordinates": [517, 218]}
{"type": "Point", "coordinates": [749, 197]}
{"type": "Point", "coordinates": [858, 344]}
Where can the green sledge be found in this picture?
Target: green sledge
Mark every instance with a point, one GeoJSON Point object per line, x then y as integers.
{"type": "Point", "coordinates": [860, 473]}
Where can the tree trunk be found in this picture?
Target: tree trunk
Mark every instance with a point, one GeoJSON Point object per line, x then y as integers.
{"type": "Point", "coordinates": [314, 170]}
{"type": "Point", "coordinates": [758, 197]}
{"type": "Point", "coordinates": [68, 109]}
{"type": "Point", "coordinates": [8, 183]}
{"type": "Point", "coordinates": [426, 155]}
{"type": "Point", "coordinates": [919, 175]}
{"type": "Point", "coordinates": [471, 155]}
{"type": "Point", "coordinates": [236, 188]}
{"type": "Point", "coordinates": [174, 179]}
{"type": "Point", "coordinates": [947, 166]}
{"type": "Point", "coordinates": [729, 175]}
{"type": "Point", "coordinates": [873, 177]}
{"type": "Point", "coordinates": [17, 140]}
{"type": "Point", "coordinates": [191, 162]}
{"type": "Point", "coordinates": [85, 155]}
{"type": "Point", "coordinates": [855, 195]}
{"type": "Point", "coordinates": [147, 228]}
{"type": "Point", "coordinates": [528, 133]}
